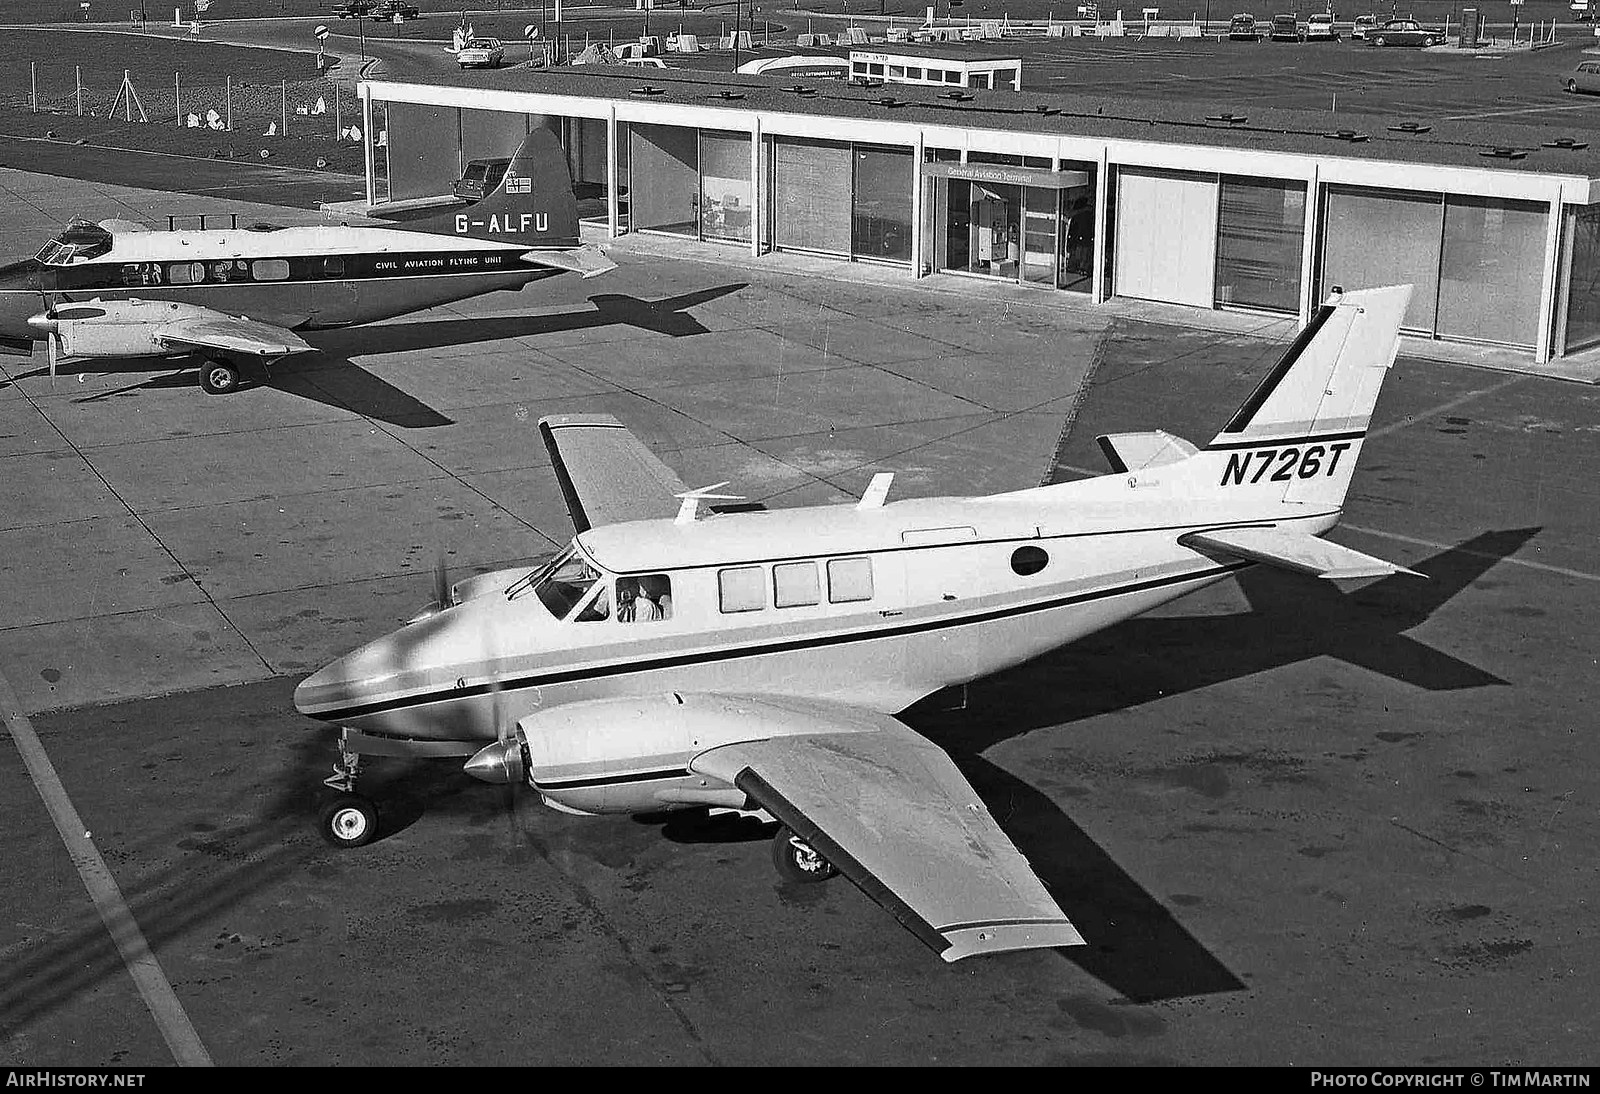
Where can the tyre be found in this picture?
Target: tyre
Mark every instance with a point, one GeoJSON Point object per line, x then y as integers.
{"type": "Point", "coordinates": [1379, 41]}
{"type": "Point", "coordinates": [219, 377]}
{"type": "Point", "coordinates": [350, 821]}
{"type": "Point", "coordinates": [797, 860]}
{"type": "Point", "coordinates": [1572, 87]}
{"type": "Point", "coordinates": [1427, 43]}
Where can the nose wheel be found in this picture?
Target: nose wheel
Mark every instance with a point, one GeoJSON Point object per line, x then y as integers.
{"type": "Point", "coordinates": [797, 860]}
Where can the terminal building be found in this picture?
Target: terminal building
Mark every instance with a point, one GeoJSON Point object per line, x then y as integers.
{"type": "Point", "coordinates": [1498, 227]}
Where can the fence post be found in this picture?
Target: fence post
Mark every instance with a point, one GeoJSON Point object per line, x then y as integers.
{"type": "Point", "coordinates": [284, 109]}
{"type": "Point", "coordinates": [77, 81]}
{"type": "Point", "coordinates": [229, 99]}
{"type": "Point", "coordinates": [177, 99]}
{"type": "Point", "coordinates": [33, 83]}
{"type": "Point", "coordinates": [338, 113]}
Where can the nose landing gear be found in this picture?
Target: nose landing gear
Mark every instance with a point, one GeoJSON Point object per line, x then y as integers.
{"type": "Point", "coordinates": [349, 820]}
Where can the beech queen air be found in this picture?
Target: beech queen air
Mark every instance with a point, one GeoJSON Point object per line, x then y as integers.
{"type": "Point", "coordinates": [238, 296]}
{"type": "Point", "coordinates": [672, 659]}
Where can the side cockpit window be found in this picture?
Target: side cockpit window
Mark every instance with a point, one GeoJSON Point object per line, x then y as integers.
{"type": "Point", "coordinates": [561, 584]}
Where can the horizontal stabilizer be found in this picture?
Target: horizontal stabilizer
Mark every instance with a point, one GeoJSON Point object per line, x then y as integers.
{"type": "Point", "coordinates": [1136, 451]}
{"type": "Point", "coordinates": [584, 261]}
{"type": "Point", "coordinates": [1298, 551]}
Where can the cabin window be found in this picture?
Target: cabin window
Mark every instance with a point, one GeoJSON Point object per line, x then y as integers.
{"type": "Point", "coordinates": [228, 271]}
{"type": "Point", "coordinates": [333, 266]}
{"type": "Point", "coordinates": [646, 599]}
{"type": "Point", "coordinates": [186, 273]}
{"type": "Point", "coordinates": [849, 579]}
{"type": "Point", "coordinates": [141, 273]}
{"type": "Point", "coordinates": [952, 77]}
{"type": "Point", "coordinates": [897, 71]}
{"type": "Point", "coordinates": [742, 589]}
{"type": "Point", "coordinates": [794, 585]}
{"type": "Point", "coordinates": [269, 269]}
{"type": "Point", "coordinates": [914, 72]}
{"type": "Point", "coordinates": [1029, 560]}
{"type": "Point", "coordinates": [875, 70]}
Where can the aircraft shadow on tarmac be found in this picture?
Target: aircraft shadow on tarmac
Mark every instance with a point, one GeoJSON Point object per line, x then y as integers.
{"type": "Point", "coordinates": [1134, 944]}
{"type": "Point", "coordinates": [330, 376]}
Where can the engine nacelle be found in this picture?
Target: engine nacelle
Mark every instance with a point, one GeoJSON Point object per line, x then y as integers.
{"type": "Point", "coordinates": [632, 755]}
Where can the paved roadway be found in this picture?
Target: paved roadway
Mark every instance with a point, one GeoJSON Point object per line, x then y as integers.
{"type": "Point", "coordinates": [1296, 824]}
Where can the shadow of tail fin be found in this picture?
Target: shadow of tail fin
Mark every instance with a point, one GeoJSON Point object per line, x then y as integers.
{"type": "Point", "coordinates": [533, 205]}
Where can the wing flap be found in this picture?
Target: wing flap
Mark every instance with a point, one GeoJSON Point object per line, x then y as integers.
{"type": "Point", "coordinates": [607, 475]}
{"type": "Point", "coordinates": [233, 334]}
{"type": "Point", "coordinates": [1297, 551]}
{"type": "Point", "coordinates": [893, 813]}
{"type": "Point", "coordinates": [586, 262]}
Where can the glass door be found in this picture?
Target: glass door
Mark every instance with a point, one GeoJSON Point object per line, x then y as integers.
{"type": "Point", "coordinates": [1039, 235]}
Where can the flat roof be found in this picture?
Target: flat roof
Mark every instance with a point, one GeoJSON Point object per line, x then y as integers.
{"type": "Point", "coordinates": [953, 51]}
{"type": "Point", "coordinates": [1217, 124]}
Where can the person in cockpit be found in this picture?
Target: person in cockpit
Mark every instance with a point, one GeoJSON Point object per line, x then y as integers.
{"type": "Point", "coordinates": [655, 597]}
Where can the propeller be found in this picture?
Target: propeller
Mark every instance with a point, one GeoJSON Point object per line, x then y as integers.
{"type": "Point", "coordinates": [48, 325]}
{"type": "Point", "coordinates": [443, 597]}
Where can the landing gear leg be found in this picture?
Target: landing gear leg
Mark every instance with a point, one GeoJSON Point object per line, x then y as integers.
{"type": "Point", "coordinates": [349, 820]}
{"type": "Point", "coordinates": [797, 860]}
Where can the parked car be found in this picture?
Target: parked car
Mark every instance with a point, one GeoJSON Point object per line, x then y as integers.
{"type": "Point", "coordinates": [479, 179]}
{"type": "Point", "coordinates": [350, 9]}
{"type": "Point", "coordinates": [1285, 28]}
{"type": "Point", "coordinates": [1586, 77]}
{"type": "Point", "coordinates": [1404, 32]}
{"type": "Point", "coordinates": [396, 10]}
{"type": "Point", "coordinates": [1319, 28]}
{"type": "Point", "coordinates": [1243, 28]}
{"type": "Point", "coordinates": [1364, 25]}
{"type": "Point", "coordinates": [481, 53]}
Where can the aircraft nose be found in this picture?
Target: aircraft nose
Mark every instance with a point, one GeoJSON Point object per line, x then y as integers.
{"type": "Point", "coordinates": [433, 651]}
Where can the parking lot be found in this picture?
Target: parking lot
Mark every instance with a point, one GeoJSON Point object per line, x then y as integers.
{"type": "Point", "coordinates": [1296, 823]}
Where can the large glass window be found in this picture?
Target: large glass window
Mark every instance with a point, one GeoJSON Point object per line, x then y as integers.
{"type": "Point", "coordinates": [1260, 241]}
{"type": "Point", "coordinates": [1384, 237]}
{"type": "Point", "coordinates": [794, 584]}
{"type": "Point", "coordinates": [1490, 276]}
{"type": "Point", "coordinates": [1582, 247]}
{"type": "Point", "coordinates": [725, 186]}
{"type": "Point", "coordinates": [664, 179]}
{"type": "Point", "coordinates": [810, 193]}
{"type": "Point", "coordinates": [742, 589]}
{"type": "Point", "coordinates": [880, 222]}
{"type": "Point", "coordinates": [849, 580]}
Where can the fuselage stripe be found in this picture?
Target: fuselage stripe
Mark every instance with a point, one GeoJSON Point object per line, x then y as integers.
{"type": "Point", "coordinates": [624, 668]}
{"type": "Point", "coordinates": [612, 780]}
{"type": "Point", "coordinates": [1281, 442]}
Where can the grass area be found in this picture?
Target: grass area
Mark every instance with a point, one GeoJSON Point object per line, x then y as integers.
{"type": "Point", "coordinates": [103, 57]}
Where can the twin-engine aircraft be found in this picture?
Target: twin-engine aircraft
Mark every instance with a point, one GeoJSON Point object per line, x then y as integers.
{"type": "Point", "coordinates": [671, 659]}
{"type": "Point", "coordinates": [236, 296]}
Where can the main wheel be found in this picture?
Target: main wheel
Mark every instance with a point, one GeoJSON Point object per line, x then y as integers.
{"type": "Point", "coordinates": [350, 821]}
{"type": "Point", "coordinates": [218, 377]}
{"type": "Point", "coordinates": [797, 860]}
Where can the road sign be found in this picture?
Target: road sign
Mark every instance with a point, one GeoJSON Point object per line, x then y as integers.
{"type": "Point", "coordinates": [202, 5]}
{"type": "Point", "coordinates": [321, 32]}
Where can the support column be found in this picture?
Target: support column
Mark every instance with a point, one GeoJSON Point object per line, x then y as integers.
{"type": "Point", "coordinates": [1102, 217]}
{"type": "Point", "coordinates": [1308, 249]}
{"type": "Point", "coordinates": [1549, 284]}
{"type": "Point", "coordinates": [918, 153]}
{"type": "Point", "coordinates": [758, 192]}
{"type": "Point", "coordinates": [367, 151]}
{"type": "Point", "coordinates": [613, 176]}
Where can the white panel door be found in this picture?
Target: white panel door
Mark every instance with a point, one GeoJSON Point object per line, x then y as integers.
{"type": "Point", "coordinates": [1166, 237]}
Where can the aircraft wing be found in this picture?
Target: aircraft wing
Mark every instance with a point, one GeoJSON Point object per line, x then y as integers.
{"type": "Point", "coordinates": [234, 334]}
{"type": "Point", "coordinates": [1298, 551]}
{"type": "Point", "coordinates": [586, 262]}
{"type": "Point", "coordinates": [607, 475]}
{"type": "Point", "coordinates": [892, 813]}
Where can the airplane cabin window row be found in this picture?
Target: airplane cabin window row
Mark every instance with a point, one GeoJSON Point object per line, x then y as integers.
{"type": "Point", "coordinates": [793, 584]}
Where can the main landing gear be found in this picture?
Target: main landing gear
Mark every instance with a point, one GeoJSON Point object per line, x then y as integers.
{"type": "Point", "coordinates": [349, 820]}
{"type": "Point", "coordinates": [219, 376]}
{"type": "Point", "coordinates": [797, 860]}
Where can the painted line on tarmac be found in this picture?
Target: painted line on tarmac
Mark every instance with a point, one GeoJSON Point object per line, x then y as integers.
{"type": "Point", "coordinates": [169, 1015]}
{"type": "Point", "coordinates": [1434, 411]}
{"type": "Point", "coordinates": [1523, 110]}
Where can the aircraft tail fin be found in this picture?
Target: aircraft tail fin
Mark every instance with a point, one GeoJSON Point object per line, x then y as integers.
{"type": "Point", "coordinates": [534, 204]}
{"type": "Point", "coordinates": [1299, 434]}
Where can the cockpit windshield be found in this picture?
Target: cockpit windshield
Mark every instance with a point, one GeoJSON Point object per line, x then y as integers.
{"type": "Point", "coordinates": [560, 584]}
{"type": "Point", "coordinates": [79, 240]}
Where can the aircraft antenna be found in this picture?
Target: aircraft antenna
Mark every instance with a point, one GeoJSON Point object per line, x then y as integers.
{"type": "Point", "coordinates": [689, 510]}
